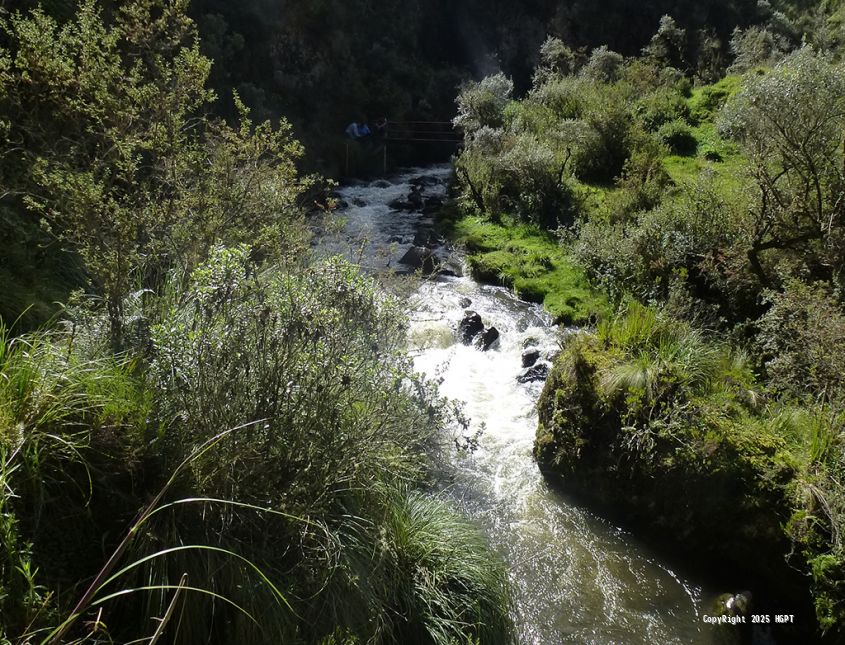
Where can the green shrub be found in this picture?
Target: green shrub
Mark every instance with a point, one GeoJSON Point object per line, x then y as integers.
{"type": "Point", "coordinates": [706, 101]}
{"type": "Point", "coordinates": [802, 341]}
{"type": "Point", "coordinates": [314, 363]}
{"type": "Point", "coordinates": [678, 136]}
{"type": "Point", "coordinates": [661, 107]}
{"type": "Point", "coordinates": [604, 65]}
{"type": "Point", "coordinates": [517, 174]}
{"type": "Point", "coordinates": [482, 104]}
{"type": "Point", "coordinates": [70, 428]}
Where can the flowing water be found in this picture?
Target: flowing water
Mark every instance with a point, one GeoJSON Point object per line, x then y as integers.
{"type": "Point", "coordinates": [577, 578]}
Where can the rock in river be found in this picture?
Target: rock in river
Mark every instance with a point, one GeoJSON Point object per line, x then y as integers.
{"type": "Point", "coordinates": [485, 341]}
{"type": "Point", "coordinates": [530, 356]}
{"type": "Point", "coordinates": [470, 327]}
{"type": "Point", "coordinates": [539, 372]}
{"type": "Point", "coordinates": [419, 257]}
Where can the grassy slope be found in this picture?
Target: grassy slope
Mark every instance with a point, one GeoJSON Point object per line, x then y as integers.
{"type": "Point", "coordinates": [760, 461]}
{"type": "Point", "coordinates": [533, 263]}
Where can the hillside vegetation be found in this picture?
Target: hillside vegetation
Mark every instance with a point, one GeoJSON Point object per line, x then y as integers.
{"type": "Point", "coordinates": [707, 207]}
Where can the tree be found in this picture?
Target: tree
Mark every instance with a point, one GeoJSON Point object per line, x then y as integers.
{"type": "Point", "coordinates": [603, 65]}
{"type": "Point", "coordinates": [789, 124]}
{"type": "Point", "coordinates": [104, 138]}
{"type": "Point", "coordinates": [482, 104]}
{"type": "Point", "coordinates": [668, 46]}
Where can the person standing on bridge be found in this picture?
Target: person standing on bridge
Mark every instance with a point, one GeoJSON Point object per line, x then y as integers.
{"type": "Point", "coordinates": [352, 131]}
{"type": "Point", "coordinates": [381, 127]}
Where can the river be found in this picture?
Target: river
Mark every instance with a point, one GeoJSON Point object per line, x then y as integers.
{"type": "Point", "coordinates": [577, 577]}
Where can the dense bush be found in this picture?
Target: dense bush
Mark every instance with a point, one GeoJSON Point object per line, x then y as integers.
{"type": "Point", "coordinates": [284, 415]}
{"type": "Point", "coordinates": [661, 106]}
{"type": "Point", "coordinates": [802, 340]}
{"type": "Point", "coordinates": [604, 65]}
{"type": "Point", "coordinates": [678, 136]}
{"type": "Point", "coordinates": [700, 238]}
{"type": "Point", "coordinates": [517, 174]}
{"type": "Point", "coordinates": [106, 140]}
{"type": "Point", "coordinates": [482, 104]}
{"type": "Point", "coordinates": [787, 124]}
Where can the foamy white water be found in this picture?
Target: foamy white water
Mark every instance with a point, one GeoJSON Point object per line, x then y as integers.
{"type": "Point", "coordinates": [578, 578]}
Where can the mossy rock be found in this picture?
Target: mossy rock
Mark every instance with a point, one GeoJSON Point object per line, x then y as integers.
{"type": "Point", "coordinates": [714, 494]}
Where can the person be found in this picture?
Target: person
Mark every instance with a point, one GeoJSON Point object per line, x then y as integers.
{"type": "Point", "coordinates": [352, 130]}
{"type": "Point", "coordinates": [381, 127]}
{"type": "Point", "coordinates": [364, 129]}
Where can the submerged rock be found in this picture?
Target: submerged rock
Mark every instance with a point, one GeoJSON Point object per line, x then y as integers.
{"type": "Point", "coordinates": [465, 303]}
{"type": "Point", "coordinates": [530, 356]}
{"type": "Point", "coordinates": [470, 326]}
{"type": "Point", "coordinates": [538, 372]}
{"type": "Point", "coordinates": [400, 205]}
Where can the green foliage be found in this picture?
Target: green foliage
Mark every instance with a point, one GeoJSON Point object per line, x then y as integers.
{"type": "Point", "coordinates": [106, 142]}
{"type": "Point", "coordinates": [296, 502]}
{"type": "Point", "coordinates": [434, 582]}
{"type": "Point", "coordinates": [604, 65]}
{"type": "Point", "coordinates": [505, 172]}
{"type": "Point", "coordinates": [319, 356]}
{"type": "Point", "coordinates": [482, 104]}
{"type": "Point", "coordinates": [678, 137]}
{"type": "Point", "coordinates": [787, 124]}
{"type": "Point", "coordinates": [62, 417]}
{"type": "Point", "coordinates": [700, 238]}
{"type": "Point", "coordinates": [802, 339]}
{"type": "Point", "coordinates": [668, 46]}
{"type": "Point", "coordinates": [707, 100]}
{"type": "Point", "coordinates": [556, 60]}
{"type": "Point", "coordinates": [660, 107]}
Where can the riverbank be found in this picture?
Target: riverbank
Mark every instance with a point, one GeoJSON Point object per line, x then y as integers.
{"type": "Point", "coordinates": [529, 260]}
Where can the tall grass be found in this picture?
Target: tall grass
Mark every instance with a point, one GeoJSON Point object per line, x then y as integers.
{"type": "Point", "coordinates": [58, 414]}
{"type": "Point", "coordinates": [661, 357]}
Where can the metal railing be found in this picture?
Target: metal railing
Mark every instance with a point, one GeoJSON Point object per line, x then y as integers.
{"type": "Point", "coordinates": [411, 132]}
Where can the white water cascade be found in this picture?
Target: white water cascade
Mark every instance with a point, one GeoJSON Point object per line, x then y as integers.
{"type": "Point", "coordinates": [577, 578]}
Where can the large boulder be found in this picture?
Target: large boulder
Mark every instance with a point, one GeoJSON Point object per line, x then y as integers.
{"type": "Point", "coordinates": [415, 198]}
{"type": "Point", "coordinates": [530, 356]}
{"type": "Point", "coordinates": [486, 339]}
{"type": "Point", "coordinates": [418, 257]}
{"type": "Point", "coordinates": [425, 237]}
{"type": "Point", "coordinates": [470, 326]}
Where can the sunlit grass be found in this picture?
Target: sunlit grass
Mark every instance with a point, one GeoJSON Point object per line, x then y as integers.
{"type": "Point", "coordinates": [534, 264]}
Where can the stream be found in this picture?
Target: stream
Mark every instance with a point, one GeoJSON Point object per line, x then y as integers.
{"type": "Point", "coordinates": [577, 578]}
